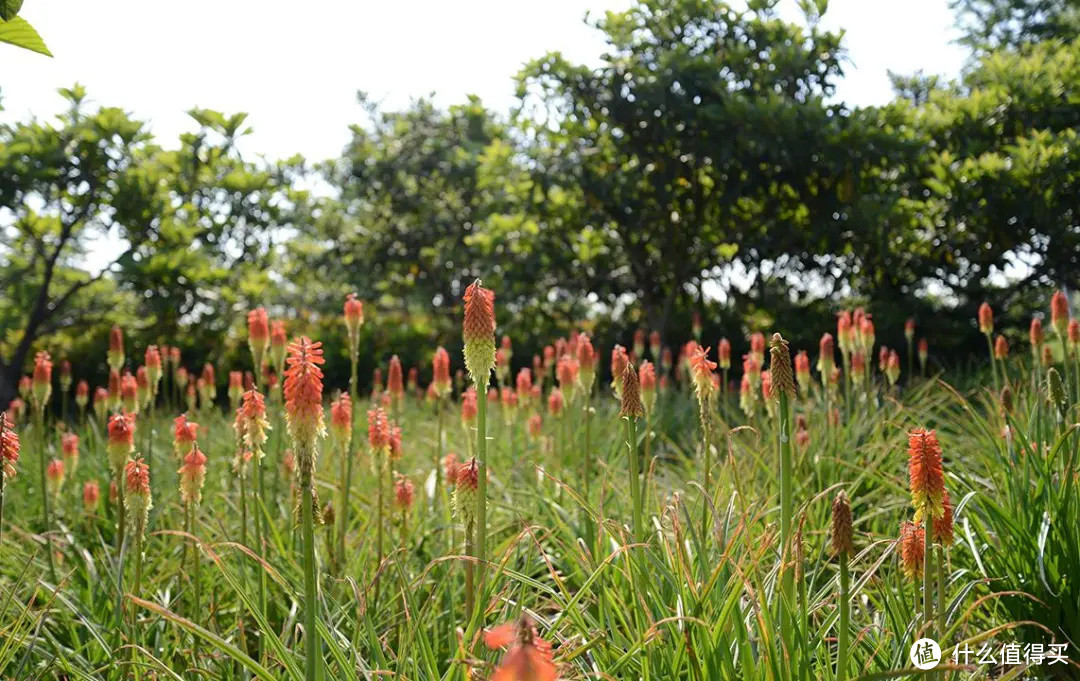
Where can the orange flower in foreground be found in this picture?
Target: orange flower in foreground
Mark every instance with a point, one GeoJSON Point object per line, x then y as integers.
{"type": "Point", "coordinates": [251, 424]}
{"type": "Point", "coordinates": [137, 497]}
{"type": "Point", "coordinates": [303, 391]}
{"type": "Point", "coordinates": [192, 476]}
{"type": "Point", "coordinates": [528, 657]}
{"type": "Point", "coordinates": [701, 371]}
{"type": "Point", "coordinates": [926, 475]}
{"type": "Point", "coordinates": [184, 435]}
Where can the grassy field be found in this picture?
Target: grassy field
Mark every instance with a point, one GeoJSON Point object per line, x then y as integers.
{"type": "Point", "coordinates": [716, 561]}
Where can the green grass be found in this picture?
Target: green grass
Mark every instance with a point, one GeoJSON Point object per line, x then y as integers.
{"type": "Point", "coordinates": [678, 603]}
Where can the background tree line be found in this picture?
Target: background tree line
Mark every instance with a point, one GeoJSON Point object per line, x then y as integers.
{"type": "Point", "coordinates": [703, 166]}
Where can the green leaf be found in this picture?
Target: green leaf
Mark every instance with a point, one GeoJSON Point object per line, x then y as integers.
{"type": "Point", "coordinates": [9, 9]}
{"type": "Point", "coordinates": [20, 33]}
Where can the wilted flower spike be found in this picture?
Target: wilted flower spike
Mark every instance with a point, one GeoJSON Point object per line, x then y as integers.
{"type": "Point", "coordinates": [926, 475]}
{"type": "Point", "coordinates": [630, 406]}
{"type": "Point", "coordinates": [841, 525]}
{"type": "Point", "coordinates": [780, 366]}
{"type": "Point", "coordinates": [478, 333]}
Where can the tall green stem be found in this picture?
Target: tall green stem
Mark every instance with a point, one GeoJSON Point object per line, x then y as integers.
{"type": "Point", "coordinates": [843, 633]}
{"type": "Point", "coordinates": [347, 452]}
{"type": "Point", "coordinates": [311, 632]}
{"type": "Point", "coordinates": [481, 489]}
{"type": "Point", "coordinates": [39, 414]}
{"type": "Point", "coordinates": [786, 513]}
{"type": "Point", "coordinates": [635, 474]}
{"type": "Point", "coordinates": [993, 365]}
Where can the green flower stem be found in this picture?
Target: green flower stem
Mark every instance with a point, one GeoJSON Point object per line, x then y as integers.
{"type": "Point", "coordinates": [39, 413]}
{"type": "Point", "coordinates": [481, 489]}
{"type": "Point", "coordinates": [844, 623]}
{"type": "Point", "coordinates": [993, 364]}
{"type": "Point", "coordinates": [311, 631]}
{"type": "Point", "coordinates": [786, 512]}
{"type": "Point", "coordinates": [349, 455]}
{"type": "Point", "coordinates": [635, 474]}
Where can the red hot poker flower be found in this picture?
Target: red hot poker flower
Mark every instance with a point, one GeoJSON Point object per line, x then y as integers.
{"type": "Point", "coordinates": [378, 430]}
{"type": "Point", "coordinates": [121, 439]}
{"type": "Point", "coordinates": [478, 332]}
{"type": "Point", "coordinates": [912, 538]}
{"type": "Point", "coordinates": [192, 476]}
{"type": "Point", "coordinates": [303, 393]}
{"type": "Point", "coordinates": [341, 420]}
{"type": "Point", "coordinates": [1059, 312]}
{"type": "Point", "coordinates": [986, 319]}
{"type": "Point", "coordinates": [115, 354]}
{"type": "Point", "coordinates": [925, 472]}
{"type": "Point", "coordinates": [42, 385]}
{"type": "Point", "coordinates": [528, 657]}
{"type": "Point", "coordinates": [394, 383]}
{"type": "Point", "coordinates": [723, 353]}
{"type": "Point", "coordinates": [468, 407]}
{"type": "Point", "coordinates": [440, 367]}
{"type": "Point", "coordinates": [9, 446]}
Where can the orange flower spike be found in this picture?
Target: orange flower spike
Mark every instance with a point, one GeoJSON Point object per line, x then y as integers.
{"type": "Point", "coordinates": [986, 319]}
{"type": "Point", "coordinates": [69, 449]}
{"type": "Point", "coordinates": [1059, 312]}
{"type": "Point", "coordinates": [251, 424]}
{"type": "Point", "coordinates": [555, 402]}
{"type": "Point", "coordinates": [185, 434]}
{"type": "Point", "coordinates": [153, 368]}
{"type": "Point", "coordinates": [403, 493]}
{"type": "Point", "coordinates": [478, 333]}
{"type": "Point", "coordinates": [701, 371]}
{"type": "Point", "coordinates": [278, 342]}
{"type": "Point", "coordinates": [115, 354]}
{"type": "Point", "coordinates": [91, 494]}
{"type": "Point", "coordinates": [65, 375]}
{"type": "Point", "coordinates": [468, 407]}
{"type": "Point", "coordinates": [303, 398]}
{"type": "Point", "coordinates": [586, 358]}
{"type": "Point", "coordinates": [723, 353]}
{"type": "Point", "coordinates": [536, 424]}
{"type": "Point", "coordinates": [619, 360]}
{"type": "Point", "coordinates": [236, 388]}
{"type": "Point", "coordinates": [566, 371]}
{"type": "Point", "coordinates": [137, 498]}
{"type": "Point", "coordinates": [142, 387]}
{"type": "Point", "coordinates": [909, 330]}
{"type": "Point", "coordinates": [192, 476]}
{"type": "Point", "coordinates": [450, 464]}
{"type": "Point", "coordinates": [468, 479]}
{"type": "Point", "coordinates": [82, 394]}
{"type": "Point", "coordinates": [101, 403]}
{"type": "Point", "coordinates": [41, 388]}
{"type": "Point", "coordinates": [378, 431]}
{"type": "Point", "coordinates": [802, 370]}
{"type": "Point", "coordinates": [926, 475]}
{"type": "Point", "coordinates": [1001, 348]}
{"type": "Point", "coordinates": [1073, 333]}
{"type": "Point", "coordinates": [654, 345]}
{"type": "Point", "coordinates": [54, 477]}
{"type": "Point", "coordinates": [1036, 335]}
{"type": "Point", "coordinates": [440, 366]}
{"type": "Point", "coordinates": [647, 381]}
{"type": "Point", "coordinates": [258, 335]}
{"type": "Point", "coordinates": [395, 383]}
{"type": "Point", "coordinates": [9, 446]}
{"type": "Point", "coordinates": [341, 420]}
{"type": "Point", "coordinates": [354, 318]}
{"type": "Point", "coordinates": [121, 439]}
{"type": "Point", "coordinates": [528, 657]}
{"type": "Point", "coordinates": [912, 538]}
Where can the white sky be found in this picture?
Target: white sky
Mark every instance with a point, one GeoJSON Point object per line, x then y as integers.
{"type": "Point", "coordinates": [295, 67]}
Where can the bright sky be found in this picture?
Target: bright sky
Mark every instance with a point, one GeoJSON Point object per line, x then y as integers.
{"type": "Point", "coordinates": [295, 67]}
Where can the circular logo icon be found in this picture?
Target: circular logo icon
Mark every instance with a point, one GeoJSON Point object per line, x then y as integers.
{"type": "Point", "coordinates": [925, 653]}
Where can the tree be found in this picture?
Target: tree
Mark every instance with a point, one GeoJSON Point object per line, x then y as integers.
{"type": "Point", "coordinates": [993, 24]}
